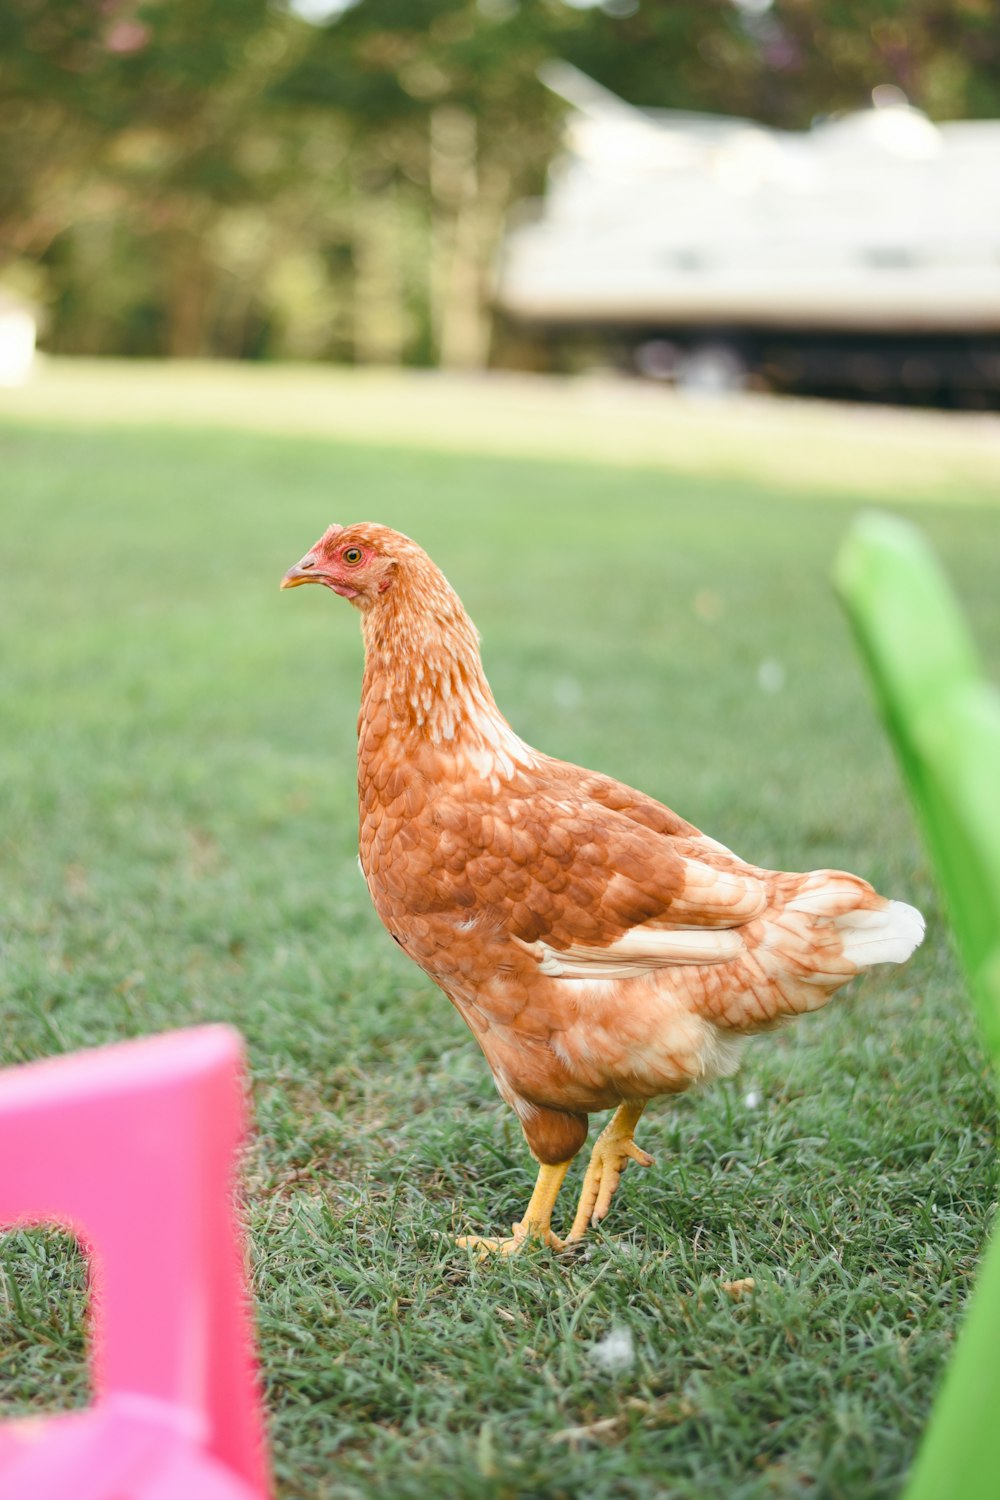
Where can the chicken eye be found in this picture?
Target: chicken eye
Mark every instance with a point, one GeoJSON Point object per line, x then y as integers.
{"type": "Point", "coordinates": [352, 555]}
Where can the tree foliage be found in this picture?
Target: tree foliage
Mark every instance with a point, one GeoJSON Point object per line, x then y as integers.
{"type": "Point", "coordinates": [222, 176]}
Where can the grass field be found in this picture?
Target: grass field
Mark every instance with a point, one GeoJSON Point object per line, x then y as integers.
{"type": "Point", "coordinates": [177, 845]}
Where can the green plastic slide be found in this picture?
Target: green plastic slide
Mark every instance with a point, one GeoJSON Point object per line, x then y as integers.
{"type": "Point", "coordinates": [944, 720]}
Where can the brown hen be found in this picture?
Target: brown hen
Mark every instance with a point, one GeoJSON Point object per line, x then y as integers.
{"type": "Point", "coordinates": [601, 949]}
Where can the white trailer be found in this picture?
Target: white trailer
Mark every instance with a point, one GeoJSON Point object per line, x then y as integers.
{"type": "Point", "coordinates": [863, 252]}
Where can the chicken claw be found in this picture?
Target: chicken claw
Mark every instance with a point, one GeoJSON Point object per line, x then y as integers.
{"type": "Point", "coordinates": [613, 1149]}
{"type": "Point", "coordinates": [536, 1226]}
{"type": "Point", "coordinates": [524, 1237]}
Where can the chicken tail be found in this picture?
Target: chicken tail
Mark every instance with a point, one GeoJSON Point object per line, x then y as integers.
{"type": "Point", "coordinates": [872, 930]}
{"type": "Point", "coordinates": [881, 937]}
{"type": "Point", "coordinates": [822, 929]}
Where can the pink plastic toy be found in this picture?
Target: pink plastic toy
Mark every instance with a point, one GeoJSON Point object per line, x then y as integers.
{"type": "Point", "coordinates": [132, 1147]}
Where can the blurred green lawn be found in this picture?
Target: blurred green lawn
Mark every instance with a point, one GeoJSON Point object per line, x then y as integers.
{"type": "Point", "coordinates": [178, 845]}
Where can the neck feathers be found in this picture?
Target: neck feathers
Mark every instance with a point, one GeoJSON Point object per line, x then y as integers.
{"type": "Point", "coordinates": [423, 675]}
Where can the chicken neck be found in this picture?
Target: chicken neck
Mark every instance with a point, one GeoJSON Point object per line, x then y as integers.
{"type": "Point", "coordinates": [424, 678]}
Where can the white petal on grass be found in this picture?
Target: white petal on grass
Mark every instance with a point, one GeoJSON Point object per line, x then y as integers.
{"type": "Point", "coordinates": [709, 605]}
{"type": "Point", "coordinates": [615, 1352]}
{"type": "Point", "coordinates": [567, 693]}
{"type": "Point", "coordinates": [770, 675]}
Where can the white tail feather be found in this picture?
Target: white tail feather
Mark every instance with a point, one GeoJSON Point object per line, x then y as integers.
{"type": "Point", "coordinates": [881, 937]}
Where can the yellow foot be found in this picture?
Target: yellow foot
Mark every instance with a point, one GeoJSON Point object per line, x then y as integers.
{"type": "Point", "coordinates": [613, 1149]}
{"type": "Point", "coordinates": [534, 1228]}
{"type": "Point", "coordinates": [523, 1238]}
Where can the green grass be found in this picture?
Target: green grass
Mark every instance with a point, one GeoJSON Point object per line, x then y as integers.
{"type": "Point", "coordinates": [177, 845]}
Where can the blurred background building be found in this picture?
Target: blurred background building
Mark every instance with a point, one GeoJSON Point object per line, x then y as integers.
{"type": "Point", "coordinates": [860, 256]}
{"type": "Point", "coordinates": [328, 180]}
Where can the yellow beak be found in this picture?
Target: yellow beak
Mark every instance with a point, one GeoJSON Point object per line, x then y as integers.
{"type": "Point", "coordinates": [301, 574]}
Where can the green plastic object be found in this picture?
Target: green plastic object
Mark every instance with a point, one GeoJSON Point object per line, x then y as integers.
{"type": "Point", "coordinates": [944, 721]}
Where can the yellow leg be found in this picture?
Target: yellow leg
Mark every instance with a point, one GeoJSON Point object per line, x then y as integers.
{"type": "Point", "coordinates": [612, 1149]}
{"type": "Point", "coordinates": [537, 1221]}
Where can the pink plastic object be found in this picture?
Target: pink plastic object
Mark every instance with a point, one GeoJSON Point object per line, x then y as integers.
{"type": "Point", "coordinates": [132, 1148]}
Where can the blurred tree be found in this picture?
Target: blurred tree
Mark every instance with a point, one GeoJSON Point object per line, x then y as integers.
{"type": "Point", "coordinates": [445, 116]}
{"type": "Point", "coordinates": [146, 117]}
{"type": "Point", "coordinates": [785, 61]}
{"type": "Point", "coordinates": [231, 177]}
{"type": "Point", "coordinates": [47, 141]}
{"type": "Point", "coordinates": [943, 54]}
